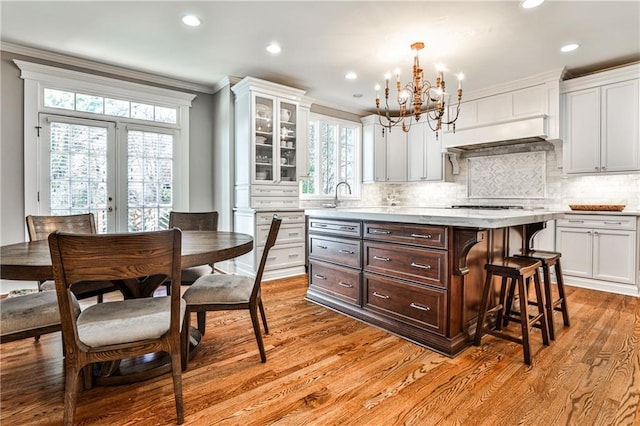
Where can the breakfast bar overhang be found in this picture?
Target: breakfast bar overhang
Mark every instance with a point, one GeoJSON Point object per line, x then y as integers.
{"type": "Point", "coordinates": [415, 272]}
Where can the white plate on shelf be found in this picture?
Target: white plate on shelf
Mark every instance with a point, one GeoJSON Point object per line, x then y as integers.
{"type": "Point", "coordinates": [263, 111]}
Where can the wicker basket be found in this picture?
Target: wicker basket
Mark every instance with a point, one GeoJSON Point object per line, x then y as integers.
{"type": "Point", "coordinates": [598, 207]}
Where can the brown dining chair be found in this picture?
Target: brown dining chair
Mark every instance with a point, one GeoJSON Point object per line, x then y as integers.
{"type": "Point", "coordinates": [187, 221]}
{"type": "Point", "coordinates": [222, 292]}
{"type": "Point", "coordinates": [120, 329]}
{"type": "Point", "coordinates": [39, 228]}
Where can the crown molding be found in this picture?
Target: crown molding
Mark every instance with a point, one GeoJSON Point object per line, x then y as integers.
{"type": "Point", "coordinates": [104, 68]}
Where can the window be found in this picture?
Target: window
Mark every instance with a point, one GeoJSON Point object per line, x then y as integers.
{"type": "Point", "coordinates": [105, 146]}
{"type": "Point", "coordinates": [334, 153]}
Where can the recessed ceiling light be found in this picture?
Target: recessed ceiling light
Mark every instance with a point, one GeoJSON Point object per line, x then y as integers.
{"type": "Point", "coordinates": [274, 48]}
{"type": "Point", "coordinates": [569, 47]}
{"type": "Point", "coordinates": [191, 20]}
{"type": "Point", "coordinates": [530, 4]}
{"type": "Point", "coordinates": [351, 75]}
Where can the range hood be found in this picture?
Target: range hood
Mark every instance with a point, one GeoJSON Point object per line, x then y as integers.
{"type": "Point", "coordinates": [517, 131]}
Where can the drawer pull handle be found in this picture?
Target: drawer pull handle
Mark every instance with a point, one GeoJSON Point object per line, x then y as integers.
{"type": "Point", "coordinates": [420, 307]}
{"type": "Point", "coordinates": [291, 234]}
{"type": "Point", "coordinates": [376, 231]}
{"type": "Point", "coordinates": [271, 258]}
{"type": "Point", "coordinates": [322, 225]}
{"type": "Point", "coordinates": [576, 221]}
{"type": "Point", "coordinates": [427, 236]}
{"type": "Point", "coordinates": [612, 223]}
{"type": "Point", "coordinates": [347, 285]}
{"type": "Point", "coordinates": [293, 255]}
{"type": "Point", "coordinates": [322, 247]}
{"type": "Point", "coordinates": [346, 251]}
{"type": "Point", "coordinates": [347, 228]}
{"type": "Point", "coordinates": [419, 265]}
{"type": "Point", "coordinates": [384, 259]}
{"type": "Point", "coordinates": [320, 277]}
{"type": "Point", "coordinates": [381, 296]}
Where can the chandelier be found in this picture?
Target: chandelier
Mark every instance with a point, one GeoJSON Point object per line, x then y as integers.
{"type": "Point", "coordinates": [419, 97]}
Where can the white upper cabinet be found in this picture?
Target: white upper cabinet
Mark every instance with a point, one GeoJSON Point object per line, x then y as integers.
{"type": "Point", "coordinates": [424, 154]}
{"type": "Point", "coordinates": [601, 122]}
{"type": "Point", "coordinates": [384, 154]}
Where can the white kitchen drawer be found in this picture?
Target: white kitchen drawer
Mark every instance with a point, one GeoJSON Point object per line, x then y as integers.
{"type": "Point", "coordinates": [274, 202]}
{"type": "Point", "coordinates": [264, 218]}
{"type": "Point", "coordinates": [288, 233]}
{"type": "Point", "coordinates": [282, 256]}
{"type": "Point", "coordinates": [274, 191]}
{"type": "Point", "coordinates": [597, 221]}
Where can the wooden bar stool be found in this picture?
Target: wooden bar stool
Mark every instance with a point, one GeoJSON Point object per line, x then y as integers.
{"type": "Point", "coordinates": [519, 271]}
{"type": "Point", "coordinates": [550, 259]}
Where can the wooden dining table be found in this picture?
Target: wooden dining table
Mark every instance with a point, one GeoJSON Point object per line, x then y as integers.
{"type": "Point", "coordinates": [31, 261]}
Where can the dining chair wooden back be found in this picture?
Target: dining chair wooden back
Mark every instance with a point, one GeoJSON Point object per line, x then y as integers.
{"type": "Point", "coordinates": [221, 292]}
{"type": "Point", "coordinates": [188, 221]}
{"type": "Point", "coordinates": [40, 227]}
{"type": "Point", "coordinates": [115, 330]}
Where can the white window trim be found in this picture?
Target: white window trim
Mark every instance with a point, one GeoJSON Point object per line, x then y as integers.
{"type": "Point", "coordinates": [38, 76]}
{"type": "Point", "coordinates": [355, 192]}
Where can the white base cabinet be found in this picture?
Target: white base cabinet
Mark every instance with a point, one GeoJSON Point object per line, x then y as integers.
{"type": "Point", "coordinates": [286, 257]}
{"type": "Point", "coordinates": [599, 251]}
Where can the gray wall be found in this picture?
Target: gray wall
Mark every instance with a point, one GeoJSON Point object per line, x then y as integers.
{"type": "Point", "coordinates": [12, 222]}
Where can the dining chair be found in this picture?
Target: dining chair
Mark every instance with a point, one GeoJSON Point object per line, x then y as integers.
{"type": "Point", "coordinates": [187, 221]}
{"type": "Point", "coordinates": [222, 292]}
{"type": "Point", "coordinates": [30, 315]}
{"type": "Point", "coordinates": [39, 228]}
{"type": "Point", "coordinates": [115, 330]}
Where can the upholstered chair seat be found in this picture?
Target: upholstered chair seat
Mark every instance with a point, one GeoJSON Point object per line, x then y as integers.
{"type": "Point", "coordinates": [219, 288]}
{"type": "Point", "coordinates": [190, 275]}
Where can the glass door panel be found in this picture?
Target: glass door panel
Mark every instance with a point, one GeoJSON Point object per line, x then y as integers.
{"type": "Point", "coordinates": [263, 140]}
{"type": "Point", "coordinates": [288, 141]}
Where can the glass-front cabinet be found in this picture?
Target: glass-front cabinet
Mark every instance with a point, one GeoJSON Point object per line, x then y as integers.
{"type": "Point", "coordinates": [275, 137]}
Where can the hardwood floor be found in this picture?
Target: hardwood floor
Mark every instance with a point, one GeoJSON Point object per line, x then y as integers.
{"type": "Point", "coordinates": [326, 369]}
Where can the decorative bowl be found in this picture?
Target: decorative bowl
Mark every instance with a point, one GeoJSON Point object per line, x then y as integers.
{"type": "Point", "coordinates": [261, 175]}
{"type": "Point", "coordinates": [261, 140]}
{"type": "Point", "coordinates": [263, 111]}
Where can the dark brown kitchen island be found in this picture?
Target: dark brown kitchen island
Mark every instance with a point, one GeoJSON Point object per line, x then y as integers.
{"type": "Point", "coordinates": [415, 272]}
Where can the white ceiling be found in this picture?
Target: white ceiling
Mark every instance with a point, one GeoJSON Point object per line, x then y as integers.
{"type": "Point", "coordinates": [490, 41]}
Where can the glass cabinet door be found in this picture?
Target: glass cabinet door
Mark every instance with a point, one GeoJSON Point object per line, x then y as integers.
{"type": "Point", "coordinates": [287, 114]}
{"type": "Point", "coordinates": [264, 139]}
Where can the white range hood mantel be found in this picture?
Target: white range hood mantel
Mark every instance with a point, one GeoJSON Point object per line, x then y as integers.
{"type": "Point", "coordinates": [509, 114]}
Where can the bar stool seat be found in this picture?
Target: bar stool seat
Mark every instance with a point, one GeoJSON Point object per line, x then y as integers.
{"type": "Point", "coordinates": [550, 259]}
{"type": "Point", "coordinates": [519, 271]}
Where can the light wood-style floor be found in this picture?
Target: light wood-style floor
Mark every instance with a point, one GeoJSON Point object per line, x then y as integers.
{"type": "Point", "coordinates": [326, 369]}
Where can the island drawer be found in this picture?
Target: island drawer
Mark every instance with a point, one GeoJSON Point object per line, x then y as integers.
{"type": "Point", "coordinates": [420, 306]}
{"type": "Point", "coordinates": [337, 250]}
{"type": "Point", "coordinates": [418, 235]}
{"type": "Point", "coordinates": [336, 227]}
{"type": "Point", "coordinates": [336, 281]}
{"type": "Point", "coordinates": [422, 265]}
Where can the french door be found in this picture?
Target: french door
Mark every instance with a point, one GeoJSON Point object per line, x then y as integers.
{"type": "Point", "coordinates": [122, 174]}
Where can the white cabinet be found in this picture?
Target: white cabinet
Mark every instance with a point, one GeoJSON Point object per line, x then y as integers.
{"type": "Point", "coordinates": [384, 154]}
{"type": "Point", "coordinates": [270, 141]}
{"type": "Point", "coordinates": [599, 251]}
{"type": "Point", "coordinates": [425, 160]}
{"type": "Point", "coordinates": [602, 122]}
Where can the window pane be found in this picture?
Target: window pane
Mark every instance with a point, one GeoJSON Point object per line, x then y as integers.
{"type": "Point", "coordinates": [141, 111]}
{"type": "Point", "coordinates": [88, 103]}
{"type": "Point", "coordinates": [347, 155]}
{"type": "Point", "coordinates": [328, 149]}
{"type": "Point", "coordinates": [116, 107]}
{"type": "Point", "coordinates": [150, 180]}
{"type": "Point", "coordinates": [78, 170]}
{"type": "Point", "coordinates": [308, 186]}
{"type": "Point", "coordinates": [59, 99]}
{"type": "Point", "coordinates": [165, 115]}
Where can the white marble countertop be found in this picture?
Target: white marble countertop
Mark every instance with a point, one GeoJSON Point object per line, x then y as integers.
{"type": "Point", "coordinates": [475, 218]}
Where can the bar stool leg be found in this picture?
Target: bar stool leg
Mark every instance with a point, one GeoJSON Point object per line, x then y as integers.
{"type": "Point", "coordinates": [484, 305]}
{"type": "Point", "coordinates": [544, 319]}
{"type": "Point", "coordinates": [503, 301]}
{"type": "Point", "coordinates": [548, 300]}
{"type": "Point", "coordinates": [524, 320]}
{"type": "Point", "coordinates": [563, 297]}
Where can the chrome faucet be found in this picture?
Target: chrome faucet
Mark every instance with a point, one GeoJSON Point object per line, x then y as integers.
{"type": "Point", "coordinates": [335, 200]}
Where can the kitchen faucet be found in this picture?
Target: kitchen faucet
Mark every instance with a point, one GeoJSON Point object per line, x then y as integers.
{"type": "Point", "coordinates": [335, 200]}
